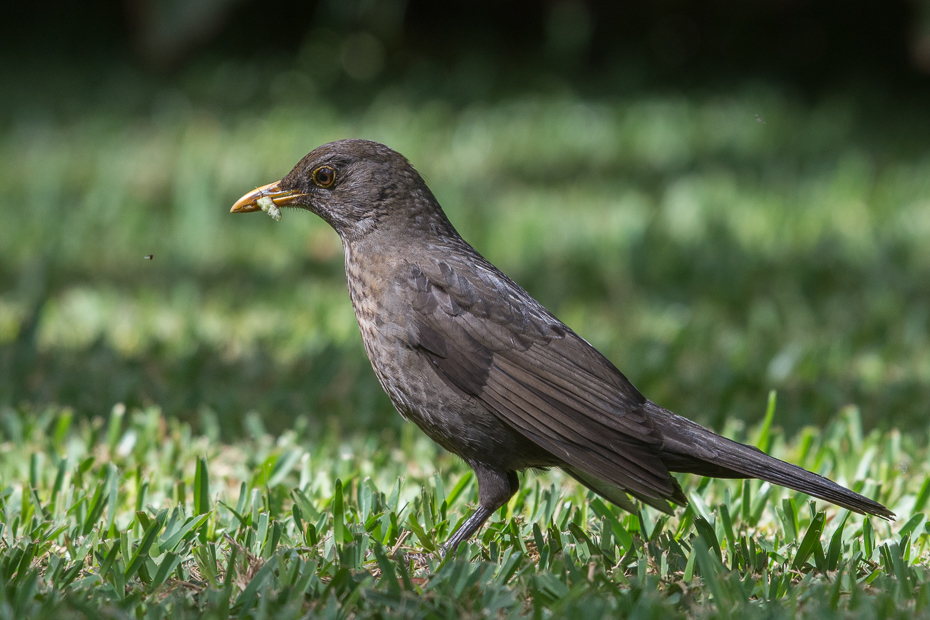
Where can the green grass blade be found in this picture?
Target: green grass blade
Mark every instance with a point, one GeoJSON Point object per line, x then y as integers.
{"type": "Point", "coordinates": [764, 439]}
{"type": "Point", "coordinates": [167, 566]}
{"type": "Point", "coordinates": [459, 487]}
{"type": "Point", "coordinates": [192, 524]}
{"type": "Point", "coordinates": [339, 524]}
{"type": "Point", "coordinates": [141, 552]}
{"type": "Point", "coordinates": [706, 531]}
{"type": "Point", "coordinates": [97, 504]}
{"type": "Point", "coordinates": [834, 555]}
{"type": "Point", "coordinates": [201, 487]}
{"type": "Point", "coordinates": [810, 540]}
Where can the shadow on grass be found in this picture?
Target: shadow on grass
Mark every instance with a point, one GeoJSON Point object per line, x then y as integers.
{"type": "Point", "coordinates": [335, 390]}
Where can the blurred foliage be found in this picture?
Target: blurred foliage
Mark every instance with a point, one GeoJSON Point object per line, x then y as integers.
{"type": "Point", "coordinates": [713, 246]}
{"type": "Point", "coordinates": [809, 45]}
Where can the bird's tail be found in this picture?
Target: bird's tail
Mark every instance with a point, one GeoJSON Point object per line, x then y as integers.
{"type": "Point", "coordinates": [691, 448]}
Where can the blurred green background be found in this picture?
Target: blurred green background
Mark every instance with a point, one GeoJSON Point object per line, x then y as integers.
{"type": "Point", "coordinates": [723, 199]}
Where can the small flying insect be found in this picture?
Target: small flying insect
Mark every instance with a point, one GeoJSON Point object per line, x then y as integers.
{"type": "Point", "coordinates": [149, 256]}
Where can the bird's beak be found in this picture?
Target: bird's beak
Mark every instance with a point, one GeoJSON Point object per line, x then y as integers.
{"type": "Point", "coordinates": [281, 198]}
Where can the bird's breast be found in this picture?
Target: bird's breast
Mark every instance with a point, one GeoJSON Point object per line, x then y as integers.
{"type": "Point", "coordinates": [384, 301]}
{"type": "Point", "coordinates": [377, 300]}
{"type": "Point", "coordinates": [366, 290]}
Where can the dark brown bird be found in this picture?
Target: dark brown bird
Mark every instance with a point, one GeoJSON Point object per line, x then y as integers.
{"type": "Point", "coordinates": [484, 369]}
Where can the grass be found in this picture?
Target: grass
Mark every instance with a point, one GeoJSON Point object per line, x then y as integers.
{"type": "Point", "coordinates": [256, 469]}
{"type": "Point", "coordinates": [133, 515]}
{"type": "Point", "coordinates": [710, 256]}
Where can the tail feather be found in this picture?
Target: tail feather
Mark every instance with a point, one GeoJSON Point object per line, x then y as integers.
{"type": "Point", "coordinates": [691, 448]}
{"type": "Point", "coordinates": [619, 496]}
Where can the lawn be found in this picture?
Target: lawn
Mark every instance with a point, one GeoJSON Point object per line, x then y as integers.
{"type": "Point", "coordinates": [133, 515]}
{"type": "Point", "coordinates": [201, 432]}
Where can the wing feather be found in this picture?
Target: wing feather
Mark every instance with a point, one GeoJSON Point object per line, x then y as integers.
{"type": "Point", "coordinates": [488, 339]}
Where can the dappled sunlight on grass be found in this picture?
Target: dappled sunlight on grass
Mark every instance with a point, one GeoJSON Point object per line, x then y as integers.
{"type": "Point", "coordinates": [790, 252]}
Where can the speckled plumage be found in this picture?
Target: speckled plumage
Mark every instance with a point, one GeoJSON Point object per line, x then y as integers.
{"type": "Point", "coordinates": [484, 369]}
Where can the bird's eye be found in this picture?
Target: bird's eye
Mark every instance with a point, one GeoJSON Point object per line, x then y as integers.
{"type": "Point", "coordinates": [324, 176]}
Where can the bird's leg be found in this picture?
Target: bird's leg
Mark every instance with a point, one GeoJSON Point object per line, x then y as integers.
{"type": "Point", "coordinates": [495, 488]}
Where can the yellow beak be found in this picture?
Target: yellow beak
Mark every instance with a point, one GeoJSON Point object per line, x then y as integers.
{"type": "Point", "coordinates": [281, 198]}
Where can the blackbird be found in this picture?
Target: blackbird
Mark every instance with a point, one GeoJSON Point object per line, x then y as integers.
{"type": "Point", "coordinates": [484, 369]}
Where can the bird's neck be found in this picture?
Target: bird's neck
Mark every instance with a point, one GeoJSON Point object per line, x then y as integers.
{"type": "Point", "coordinates": [385, 244]}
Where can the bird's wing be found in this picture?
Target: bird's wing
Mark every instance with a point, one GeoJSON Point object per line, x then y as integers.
{"type": "Point", "coordinates": [488, 339]}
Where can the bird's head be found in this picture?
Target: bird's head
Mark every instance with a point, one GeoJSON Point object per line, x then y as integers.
{"type": "Point", "coordinates": [357, 186]}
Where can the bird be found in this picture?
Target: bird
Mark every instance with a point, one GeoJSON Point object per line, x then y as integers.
{"type": "Point", "coordinates": [484, 369]}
